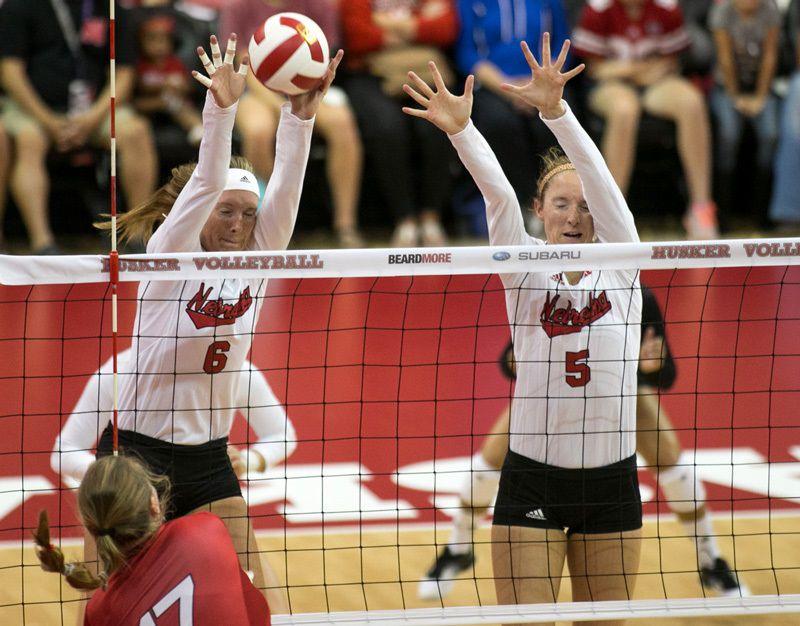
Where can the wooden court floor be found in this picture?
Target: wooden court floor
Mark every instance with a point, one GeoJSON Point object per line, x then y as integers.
{"type": "Point", "coordinates": [355, 572]}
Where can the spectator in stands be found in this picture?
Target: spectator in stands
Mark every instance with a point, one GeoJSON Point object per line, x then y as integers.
{"type": "Point", "coordinates": [162, 87]}
{"type": "Point", "coordinates": [785, 205]}
{"type": "Point", "coordinates": [259, 108]}
{"type": "Point", "coordinates": [410, 159]}
{"type": "Point", "coordinates": [631, 47]}
{"type": "Point", "coordinates": [746, 33]}
{"type": "Point", "coordinates": [488, 47]}
{"type": "Point", "coordinates": [5, 163]}
{"type": "Point", "coordinates": [53, 65]}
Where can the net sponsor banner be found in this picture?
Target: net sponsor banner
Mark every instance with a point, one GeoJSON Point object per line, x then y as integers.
{"type": "Point", "coordinates": [20, 270]}
{"type": "Point", "coordinates": [392, 384]}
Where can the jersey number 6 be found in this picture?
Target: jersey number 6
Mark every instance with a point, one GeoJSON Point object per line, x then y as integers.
{"type": "Point", "coordinates": [216, 359]}
{"type": "Point", "coordinates": [577, 368]}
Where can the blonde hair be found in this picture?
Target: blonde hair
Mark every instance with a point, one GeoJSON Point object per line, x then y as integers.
{"type": "Point", "coordinates": [554, 161]}
{"type": "Point", "coordinates": [138, 224]}
{"type": "Point", "coordinates": [114, 501]}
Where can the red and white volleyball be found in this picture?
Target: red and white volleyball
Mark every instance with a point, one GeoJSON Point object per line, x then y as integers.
{"type": "Point", "coordinates": [289, 53]}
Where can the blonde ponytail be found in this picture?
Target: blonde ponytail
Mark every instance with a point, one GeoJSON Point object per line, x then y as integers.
{"type": "Point", "coordinates": [114, 501]}
{"type": "Point", "coordinates": [138, 224]}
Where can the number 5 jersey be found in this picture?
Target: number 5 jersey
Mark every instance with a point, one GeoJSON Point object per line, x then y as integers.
{"type": "Point", "coordinates": [576, 347]}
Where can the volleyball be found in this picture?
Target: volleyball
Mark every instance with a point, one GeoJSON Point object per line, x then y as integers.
{"type": "Point", "coordinates": [289, 53]}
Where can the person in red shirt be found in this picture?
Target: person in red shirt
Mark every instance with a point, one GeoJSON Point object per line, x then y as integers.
{"type": "Point", "coordinates": [409, 160]}
{"type": "Point", "coordinates": [631, 48]}
{"type": "Point", "coordinates": [181, 572]}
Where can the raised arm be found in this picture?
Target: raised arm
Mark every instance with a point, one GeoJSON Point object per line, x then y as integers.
{"type": "Point", "coordinates": [278, 212]}
{"type": "Point", "coordinates": [613, 221]}
{"type": "Point", "coordinates": [451, 114]}
{"type": "Point", "coordinates": [180, 231]}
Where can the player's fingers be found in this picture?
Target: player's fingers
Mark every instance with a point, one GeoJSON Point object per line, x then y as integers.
{"type": "Point", "coordinates": [203, 80]}
{"type": "Point", "coordinates": [230, 51]}
{"type": "Point", "coordinates": [515, 89]}
{"type": "Point", "coordinates": [216, 55]}
{"type": "Point", "coordinates": [546, 49]}
{"type": "Point", "coordinates": [417, 97]}
{"type": "Point", "coordinates": [334, 64]}
{"type": "Point", "coordinates": [469, 86]}
{"type": "Point", "coordinates": [437, 77]}
{"type": "Point", "coordinates": [207, 64]}
{"type": "Point", "coordinates": [532, 63]}
{"type": "Point", "coordinates": [421, 85]}
{"type": "Point", "coordinates": [415, 112]}
{"type": "Point", "coordinates": [244, 66]}
{"type": "Point", "coordinates": [562, 56]}
{"type": "Point", "coordinates": [574, 71]}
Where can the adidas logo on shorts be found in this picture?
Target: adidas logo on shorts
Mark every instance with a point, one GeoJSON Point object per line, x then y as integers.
{"type": "Point", "coordinates": [536, 514]}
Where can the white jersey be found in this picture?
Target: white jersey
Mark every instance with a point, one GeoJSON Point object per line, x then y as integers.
{"type": "Point", "coordinates": [576, 347]}
{"type": "Point", "coordinates": [191, 338]}
{"type": "Point", "coordinates": [72, 453]}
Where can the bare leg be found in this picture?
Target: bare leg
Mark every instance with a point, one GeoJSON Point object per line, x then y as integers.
{"type": "Point", "coordinates": [257, 121]}
{"type": "Point", "coordinates": [337, 125]}
{"type": "Point", "coordinates": [527, 564]}
{"type": "Point", "coordinates": [604, 567]}
{"type": "Point", "coordinates": [5, 162]}
{"type": "Point", "coordinates": [30, 184]}
{"type": "Point", "coordinates": [677, 99]}
{"type": "Point", "coordinates": [138, 159]}
{"type": "Point", "coordinates": [233, 513]}
{"type": "Point", "coordinates": [618, 104]}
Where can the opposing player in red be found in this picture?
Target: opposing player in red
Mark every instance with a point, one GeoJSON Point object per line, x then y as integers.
{"type": "Point", "coordinates": [172, 574]}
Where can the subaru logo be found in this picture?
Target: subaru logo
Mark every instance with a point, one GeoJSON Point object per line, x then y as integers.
{"type": "Point", "coordinates": [501, 256]}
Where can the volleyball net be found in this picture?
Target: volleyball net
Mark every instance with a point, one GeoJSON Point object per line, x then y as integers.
{"type": "Point", "coordinates": [374, 379]}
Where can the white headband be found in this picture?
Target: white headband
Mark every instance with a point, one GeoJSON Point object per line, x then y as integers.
{"type": "Point", "coordinates": [242, 180]}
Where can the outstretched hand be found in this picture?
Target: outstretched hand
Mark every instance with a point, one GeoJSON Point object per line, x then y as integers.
{"type": "Point", "coordinates": [305, 105]}
{"type": "Point", "coordinates": [546, 87]}
{"type": "Point", "coordinates": [441, 108]}
{"type": "Point", "coordinates": [224, 82]}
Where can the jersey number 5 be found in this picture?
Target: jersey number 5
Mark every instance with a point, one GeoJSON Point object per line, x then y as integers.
{"type": "Point", "coordinates": [216, 359]}
{"type": "Point", "coordinates": [183, 594]}
{"type": "Point", "coordinates": [577, 367]}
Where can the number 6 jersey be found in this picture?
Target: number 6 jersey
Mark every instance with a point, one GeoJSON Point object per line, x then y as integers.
{"type": "Point", "coordinates": [576, 347]}
{"type": "Point", "coordinates": [191, 338]}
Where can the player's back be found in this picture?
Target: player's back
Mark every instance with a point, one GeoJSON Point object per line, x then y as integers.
{"type": "Point", "coordinates": [188, 574]}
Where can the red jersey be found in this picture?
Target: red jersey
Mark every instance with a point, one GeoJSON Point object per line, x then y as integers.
{"type": "Point", "coordinates": [607, 31]}
{"type": "Point", "coordinates": [188, 575]}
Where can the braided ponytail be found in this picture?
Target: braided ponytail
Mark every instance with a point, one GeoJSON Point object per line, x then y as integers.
{"type": "Point", "coordinates": [114, 501]}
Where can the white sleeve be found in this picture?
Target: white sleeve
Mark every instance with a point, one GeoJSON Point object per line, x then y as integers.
{"type": "Point", "coordinates": [72, 453]}
{"type": "Point", "coordinates": [613, 221]}
{"type": "Point", "coordinates": [281, 202]}
{"type": "Point", "coordinates": [180, 231]}
{"type": "Point", "coordinates": [276, 435]}
{"type": "Point", "coordinates": [503, 213]}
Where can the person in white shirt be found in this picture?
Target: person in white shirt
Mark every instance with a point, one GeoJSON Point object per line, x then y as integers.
{"type": "Point", "coordinates": [276, 438]}
{"type": "Point", "coordinates": [568, 487]}
{"type": "Point", "coordinates": [656, 443]}
{"type": "Point", "coordinates": [190, 339]}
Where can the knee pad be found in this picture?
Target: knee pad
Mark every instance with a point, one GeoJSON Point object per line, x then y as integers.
{"type": "Point", "coordinates": [480, 486]}
{"type": "Point", "coordinates": [682, 489]}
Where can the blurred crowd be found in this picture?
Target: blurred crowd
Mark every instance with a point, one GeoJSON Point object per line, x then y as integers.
{"type": "Point", "coordinates": [694, 103]}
